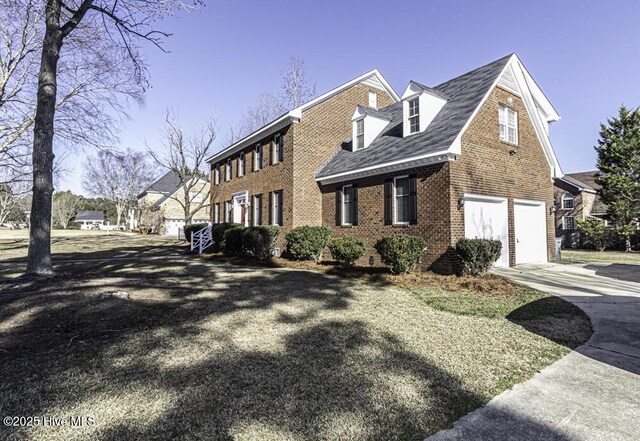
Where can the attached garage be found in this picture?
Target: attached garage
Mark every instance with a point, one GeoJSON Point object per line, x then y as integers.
{"type": "Point", "coordinates": [530, 231]}
{"type": "Point", "coordinates": [487, 217]}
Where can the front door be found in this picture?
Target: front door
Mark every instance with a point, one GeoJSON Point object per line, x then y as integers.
{"type": "Point", "coordinates": [240, 208]}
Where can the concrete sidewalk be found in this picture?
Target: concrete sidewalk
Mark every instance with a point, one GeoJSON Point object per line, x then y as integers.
{"type": "Point", "coordinates": [591, 394]}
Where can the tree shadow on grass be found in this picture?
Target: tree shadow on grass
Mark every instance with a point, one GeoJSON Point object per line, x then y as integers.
{"type": "Point", "coordinates": [171, 356]}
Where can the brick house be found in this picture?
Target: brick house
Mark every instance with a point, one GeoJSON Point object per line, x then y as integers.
{"type": "Point", "coordinates": [576, 198]}
{"type": "Point", "coordinates": [164, 195]}
{"type": "Point", "coordinates": [470, 157]}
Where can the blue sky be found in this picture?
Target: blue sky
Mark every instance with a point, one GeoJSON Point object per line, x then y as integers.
{"type": "Point", "coordinates": [584, 54]}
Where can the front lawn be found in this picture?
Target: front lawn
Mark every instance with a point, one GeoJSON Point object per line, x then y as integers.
{"type": "Point", "coordinates": [208, 350]}
{"type": "Point", "coordinates": [588, 256]}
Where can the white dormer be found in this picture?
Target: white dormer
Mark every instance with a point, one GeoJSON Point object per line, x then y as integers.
{"type": "Point", "coordinates": [420, 105]}
{"type": "Point", "coordinates": [367, 125]}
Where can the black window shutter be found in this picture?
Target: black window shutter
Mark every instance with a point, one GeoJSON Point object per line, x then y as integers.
{"type": "Point", "coordinates": [354, 205]}
{"type": "Point", "coordinates": [253, 160]}
{"type": "Point", "coordinates": [260, 163]}
{"type": "Point", "coordinates": [281, 149]}
{"type": "Point", "coordinates": [388, 192]}
{"type": "Point", "coordinates": [230, 165]}
{"type": "Point", "coordinates": [271, 208]}
{"type": "Point", "coordinates": [338, 206]}
{"type": "Point", "coordinates": [280, 209]}
{"type": "Point", "coordinates": [413, 199]}
{"type": "Point", "coordinates": [259, 202]}
{"type": "Point", "coordinates": [272, 152]}
{"type": "Point", "coordinates": [238, 168]}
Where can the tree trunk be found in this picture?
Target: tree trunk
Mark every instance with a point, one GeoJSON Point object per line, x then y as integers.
{"type": "Point", "coordinates": [119, 211]}
{"type": "Point", "coordinates": [39, 256]}
{"type": "Point", "coordinates": [627, 243]}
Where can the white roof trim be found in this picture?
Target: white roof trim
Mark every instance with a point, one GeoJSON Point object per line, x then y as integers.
{"type": "Point", "coordinates": [393, 166]}
{"type": "Point", "coordinates": [579, 187]}
{"type": "Point", "coordinates": [295, 114]}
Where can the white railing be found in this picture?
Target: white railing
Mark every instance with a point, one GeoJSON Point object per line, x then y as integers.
{"type": "Point", "coordinates": [201, 239]}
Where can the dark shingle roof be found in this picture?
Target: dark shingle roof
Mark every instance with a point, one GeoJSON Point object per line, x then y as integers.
{"type": "Point", "coordinates": [89, 215]}
{"type": "Point", "coordinates": [587, 180]}
{"type": "Point", "coordinates": [168, 183]}
{"type": "Point", "coordinates": [380, 113]}
{"type": "Point", "coordinates": [464, 94]}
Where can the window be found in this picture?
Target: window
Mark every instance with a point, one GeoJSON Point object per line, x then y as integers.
{"type": "Point", "coordinates": [359, 134]}
{"type": "Point", "coordinates": [277, 154]}
{"type": "Point", "coordinates": [347, 205]}
{"type": "Point", "coordinates": [401, 213]}
{"type": "Point", "coordinates": [508, 125]}
{"type": "Point", "coordinates": [373, 99]}
{"type": "Point", "coordinates": [257, 210]}
{"type": "Point", "coordinates": [216, 175]}
{"type": "Point", "coordinates": [216, 212]}
{"type": "Point", "coordinates": [195, 196]}
{"type": "Point", "coordinates": [414, 115]}
{"type": "Point", "coordinates": [227, 174]}
{"type": "Point", "coordinates": [568, 223]}
{"type": "Point", "coordinates": [241, 165]}
{"type": "Point", "coordinates": [276, 208]}
{"type": "Point", "coordinates": [568, 202]}
{"type": "Point", "coordinates": [257, 158]}
{"type": "Point", "coordinates": [228, 211]}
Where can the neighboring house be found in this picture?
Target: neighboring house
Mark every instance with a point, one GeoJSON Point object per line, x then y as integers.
{"type": "Point", "coordinates": [166, 195]}
{"type": "Point", "coordinates": [470, 157]}
{"type": "Point", "coordinates": [89, 219]}
{"type": "Point", "coordinates": [576, 199]}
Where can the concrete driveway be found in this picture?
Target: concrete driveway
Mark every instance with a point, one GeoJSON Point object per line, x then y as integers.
{"type": "Point", "coordinates": [591, 394]}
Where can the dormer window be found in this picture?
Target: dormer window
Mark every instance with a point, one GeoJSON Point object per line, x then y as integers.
{"type": "Point", "coordinates": [359, 139]}
{"type": "Point", "coordinates": [373, 99]}
{"type": "Point", "coordinates": [414, 115]}
{"type": "Point", "coordinates": [568, 202]}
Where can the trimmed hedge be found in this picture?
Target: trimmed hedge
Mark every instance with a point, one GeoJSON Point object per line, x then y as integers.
{"type": "Point", "coordinates": [232, 245]}
{"type": "Point", "coordinates": [307, 243]}
{"type": "Point", "coordinates": [347, 250]}
{"type": "Point", "coordinates": [401, 252]}
{"type": "Point", "coordinates": [260, 241]}
{"type": "Point", "coordinates": [217, 232]}
{"type": "Point", "coordinates": [188, 230]}
{"type": "Point", "coordinates": [478, 255]}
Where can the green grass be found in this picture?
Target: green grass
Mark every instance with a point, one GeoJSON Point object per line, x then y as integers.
{"type": "Point", "coordinates": [207, 350]}
{"type": "Point", "coordinates": [588, 256]}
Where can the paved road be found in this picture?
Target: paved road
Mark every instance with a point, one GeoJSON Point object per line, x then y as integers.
{"type": "Point", "coordinates": [591, 394]}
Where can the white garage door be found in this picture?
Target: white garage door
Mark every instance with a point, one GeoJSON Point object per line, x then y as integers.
{"type": "Point", "coordinates": [531, 231]}
{"type": "Point", "coordinates": [487, 217]}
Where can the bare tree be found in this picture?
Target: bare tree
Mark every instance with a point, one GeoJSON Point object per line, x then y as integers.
{"type": "Point", "coordinates": [295, 86]}
{"type": "Point", "coordinates": [295, 91]}
{"type": "Point", "coordinates": [105, 28]}
{"type": "Point", "coordinates": [118, 177]}
{"type": "Point", "coordinates": [184, 155]}
{"type": "Point", "coordinates": [65, 206]}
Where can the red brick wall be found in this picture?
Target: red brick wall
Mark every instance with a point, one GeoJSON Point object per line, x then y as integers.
{"type": "Point", "coordinates": [488, 166]}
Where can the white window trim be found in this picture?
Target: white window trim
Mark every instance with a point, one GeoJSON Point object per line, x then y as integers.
{"type": "Point", "coordinates": [358, 145]}
{"type": "Point", "coordinates": [274, 212]}
{"type": "Point", "coordinates": [216, 175]}
{"type": "Point", "coordinates": [254, 209]}
{"type": "Point", "coordinates": [565, 197]}
{"type": "Point", "coordinates": [257, 148]}
{"type": "Point", "coordinates": [216, 213]}
{"type": "Point", "coordinates": [564, 223]}
{"type": "Point", "coordinates": [395, 203]}
{"type": "Point", "coordinates": [242, 160]}
{"type": "Point", "coordinates": [274, 151]}
{"type": "Point", "coordinates": [227, 171]}
{"type": "Point", "coordinates": [373, 103]}
{"type": "Point", "coordinates": [409, 116]}
{"type": "Point", "coordinates": [515, 127]}
{"type": "Point", "coordinates": [342, 221]}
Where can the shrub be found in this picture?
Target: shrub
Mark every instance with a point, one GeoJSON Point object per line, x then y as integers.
{"type": "Point", "coordinates": [595, 233]}
{"type": "Point", "coordinates": [217, 233]}
{"type": "Point", "coordinates": [401, 252]}
{"type": "Point", "coordinates": [188, 229]}
{"type": "Point", "coordinates": [478, 255]}
{"type": "Point", "coordinates": [260, 241]}
{"type": "Point", "coordinates": [347, 250]}
{"type": "Point", "coordinates": [307, 243]}
{"type": "Point", "coordinates": [232, 245]}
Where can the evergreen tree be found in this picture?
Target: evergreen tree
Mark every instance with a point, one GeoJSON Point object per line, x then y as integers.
{"type": "Point", "coordinates": [619, 160]}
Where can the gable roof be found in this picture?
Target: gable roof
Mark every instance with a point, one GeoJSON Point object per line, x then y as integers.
{"type": "Point", "coordinates": [89, 215]}
{"type": "Point", "coordinates": [588, 181]}
{"type": "Point", "coordinates": [440, 141]}
{"type": "Point", "coordinates": [373, 77]}
{"type": "Point", "coordinates": [464, 94]}
{"type": "Point", "coordinates": [168, 183]}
